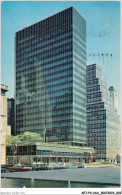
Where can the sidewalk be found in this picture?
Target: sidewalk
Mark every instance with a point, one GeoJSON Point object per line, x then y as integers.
{"type": "Point", "coordinates": [101, 165]}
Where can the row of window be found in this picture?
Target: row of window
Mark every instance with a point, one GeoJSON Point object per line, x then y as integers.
{"type": "Point", "coordinates": [62, 123]}
{"type": "Point", "coordinates": [94, 100]}
{"type": "Point", "coordinates": [95, 106]}
{"type": "Point", "coordinates": [36, 42]}
{"type": "Point", "coordinates": [50, 51]}
{"type": "Point", "coordinates": [50, 61]}
{"type": "Point", "coordinates": [47, 24]}
{"type": "Point", "coordinates": [92, 89]}
{"type": "Point", "coordinates": [35, 81]}
{"type": "Point", "coordinates": [48, 64]}
{"type": "Point", "coordinates": [31, 100]}
{"type": "Point", "coordinates": [52, 85]}
{"type": "Point", "coordinates": [62, 41]}
{"type": "Point", "coordinates": [96, 118]}
{"type": "Point", "coordinates": [65, 92]}
{"type": "Point", "coordinates": [50, 55]}
{"type": "Point", "coordinates": [92, 82]}
{"type": "Point", "coordinates": [91, 68]}
{"type": "Point", "coordinates": [90, 72]}
{"type": "Point", "coordinates": [62, 109]}
{"type": "Point", "coordinates": [48, 71]}
{"type": "Point", "coordinates": [96, 113]}
{"type": "Point", "coordinates": [94, 95]}
{"type": "Point", "coordinates": [96, 126]}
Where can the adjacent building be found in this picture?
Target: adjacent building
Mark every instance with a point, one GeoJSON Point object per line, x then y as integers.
{"type": "Point", "coordinates": [48, 153]}
{"type": "Point", "coordinates": [11, 115]}
{"type": "Point", "coordinates": [103, 121]}
{"type": "Point", "coordinates": [5, 129]}
{"type": "Point", "coordinates": [113, 95]}
{"type": "Point", "coordinates": [50, 67]}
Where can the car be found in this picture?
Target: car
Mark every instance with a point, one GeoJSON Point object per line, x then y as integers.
{"type": "Point", "coordinates": [55, 167]}
{"type": "Point", "coordinates": [3, 169]}
{"type": "Point", "coordinates": [69, 166]}
{"type": "Point", "coordinates": [19, 167]}
{"type": "Point", "coordinates": [81, 166]}
{"type": "Point", "coordinates": [43, 167]}
{"type": "Point", "coordinates": [37, 167]}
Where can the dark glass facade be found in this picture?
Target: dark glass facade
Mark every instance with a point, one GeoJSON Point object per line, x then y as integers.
{"type": "Point", "coordinates": [103, 122]}
{"type": "Point", "coordinates": [11, 118]}
{"type": "Point", "coordinates": [50, 78]}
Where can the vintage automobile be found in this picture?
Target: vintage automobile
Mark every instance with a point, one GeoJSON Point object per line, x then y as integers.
{"type": "Point", "coordinates": [37, 167]}
{"type": "Point", "coordinates": [3, 169]}
{"type": "Point", "coordinates": [81, 166]}
{"type": "Point", "coordinates": [19, 167]}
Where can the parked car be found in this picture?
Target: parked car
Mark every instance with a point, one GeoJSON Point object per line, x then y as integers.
{"type": "Point", "coordinates": [19, 167]}
{"type": "Point", "coordinates": [3, 169]}
{"type": "Point", "coordinates": [70, 166]}
{"type": "Point", "coordinates": [43, 167]}
{"type": "Point", "coordinates": [81, 166]}
{"type": "Point", "coordinates": [37, 167]}
{"type": "Point", "coordinates": [55, 166]}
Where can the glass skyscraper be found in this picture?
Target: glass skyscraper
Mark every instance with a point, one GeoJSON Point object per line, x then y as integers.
{"type": "Point", "coordinates": [50, 76]}
{"type": "Point", "coordinates": [103, 121]}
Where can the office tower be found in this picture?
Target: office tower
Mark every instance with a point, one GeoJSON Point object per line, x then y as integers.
{"type": "Point", "coordinates": [113, 95]}
{"type": "Point", "coordinates": [11, 118]}
{"type": "Point", "coordinates": [103, 122]}
{"type": "Point", "coordinates": [5, 129]}
{"type": "Point", "coordinates": [51, 78]}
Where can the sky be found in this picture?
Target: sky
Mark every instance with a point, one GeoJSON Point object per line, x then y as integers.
{"type": "Point", "coordinates": [102, 39]}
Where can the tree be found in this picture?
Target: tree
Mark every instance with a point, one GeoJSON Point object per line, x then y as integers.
{"type": "Point", "coordinates": [8, 139]}
{"type": "Point", "coordinates": [30, 137]}
{"type": "Point", "coordinates": [26, 137]}
{"type": "Point", "coordinates": [12, 139]}
{"type": "Point", "coordinates": [16, 139]}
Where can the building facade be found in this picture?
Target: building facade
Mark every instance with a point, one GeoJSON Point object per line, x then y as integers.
{"type": "Point", "coordinates": [103, 121]}
{"type": "Point", "coordinates": [5, 129]}
{"type": "Point", "coordinates": [48, 153]}
{"type": "Point", "coordinates": [11, 118]}
{"type": "Point", "coordinates": [51, 78]}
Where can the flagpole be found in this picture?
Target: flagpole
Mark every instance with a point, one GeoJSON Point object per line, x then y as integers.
{"type": "Point", "coordinates": [14, 151]}
{"type": "Point", "coordinates": [91, 157]}
{"type": "Point", "coordinates": [45, 134]}
{"type": "Point", "coordinates": [13, 155]}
